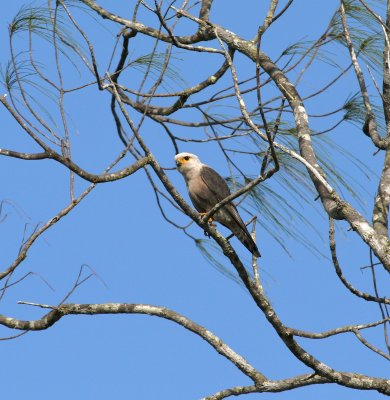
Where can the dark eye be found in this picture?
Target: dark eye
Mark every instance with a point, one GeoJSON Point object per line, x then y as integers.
{"type": "Point", "coordinates": [186, 158]}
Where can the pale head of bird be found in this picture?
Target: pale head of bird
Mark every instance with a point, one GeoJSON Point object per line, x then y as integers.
{"type": "Point", "coordinates": [188, 164]}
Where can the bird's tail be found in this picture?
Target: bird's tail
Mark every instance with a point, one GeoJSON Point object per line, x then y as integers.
{"type": "Point", "coordinates": [246, 239]}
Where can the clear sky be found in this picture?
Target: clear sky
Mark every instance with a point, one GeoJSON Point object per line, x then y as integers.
{"type": "Point", "coordinates": [119, 233]}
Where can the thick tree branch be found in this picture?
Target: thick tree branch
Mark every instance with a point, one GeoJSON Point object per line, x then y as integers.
{"type": "Point", "coordinates": [62, 310]}
{"type": "Point", "coordinates": [200, 35]}
{"type": "Point", "coordinates": [382, 200]}
{"type": "Point", "coordinates": [24, 156]}
{"type": "Point", "coordinates": [270, 386]}
{"type": "Point", "coordinates": [205, 9]}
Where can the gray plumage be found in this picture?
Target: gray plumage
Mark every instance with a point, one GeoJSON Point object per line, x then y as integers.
{"type": "Point", "coordinates": [206, 188]}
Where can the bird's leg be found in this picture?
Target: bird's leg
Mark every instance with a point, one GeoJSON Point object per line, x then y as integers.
{"type": "Point", "coordinates": [210, 222]}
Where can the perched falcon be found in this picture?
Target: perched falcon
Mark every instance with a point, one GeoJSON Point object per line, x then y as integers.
{"type": "Point", "coordinates": [206, 188]}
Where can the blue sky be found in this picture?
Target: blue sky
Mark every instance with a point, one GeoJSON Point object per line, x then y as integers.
{"type": "Point", "coordinates": [119, 233]}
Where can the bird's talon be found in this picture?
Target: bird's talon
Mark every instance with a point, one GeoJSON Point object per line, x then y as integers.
{"type": "Point", "coordinates": [203, 214]}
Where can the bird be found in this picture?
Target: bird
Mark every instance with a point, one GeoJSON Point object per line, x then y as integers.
{"type": "Point", "coordinates": [207, 188]}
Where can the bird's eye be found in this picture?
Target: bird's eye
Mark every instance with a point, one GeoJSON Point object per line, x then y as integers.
{"type": "Point", "coordinates": [186, 158]}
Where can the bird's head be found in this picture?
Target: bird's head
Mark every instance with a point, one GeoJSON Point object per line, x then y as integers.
{"type": "Point", "coordinates": [186, 162]}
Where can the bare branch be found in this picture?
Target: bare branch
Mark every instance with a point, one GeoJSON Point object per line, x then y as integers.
{"type": "Point", "coordinates": [270, 386]}
{"type": "Point", "coordinates": [336, 331]}
{"type": "Point", "coordinates": [370, 346]}
{"type": "Point", "coordinates": [123, 308]}
{"type": "Point", "coordinates": [339, 272]}
{"type": "Point", "coordinates": [370, 118]}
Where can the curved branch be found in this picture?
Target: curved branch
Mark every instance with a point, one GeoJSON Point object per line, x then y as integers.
{"type": "Point", "coordinates": [93, 178]}
{"type": "Point", "coordinates": [370, 346]}
{"type": "Point", "coordinates": [200, 35]}
{"type": "Point", "coordinates": [337, 331]}
{"type": "Point", "coordinates": [51, 154]}
{"type": "Point", "coordinates": [339, 272]}
{"type": "Point", "coordinates": [60, 311]}
{"type": "Point", "coordinates": [371, 125]}
{"type": "Point", "coordinates": [211, 80]}
{"type": "Point", "coordinates": [102, 178]}
{"type": "Point", "coordinates": [270, 386]}
{"type": "Point", "coordinates": [30, 241]}
{"type": "Point", "coordinates": [24, 156]}
{"type": "Point", "coordinates": [153, 110]}
{"type": "Point", "coordinates": [183, 95]}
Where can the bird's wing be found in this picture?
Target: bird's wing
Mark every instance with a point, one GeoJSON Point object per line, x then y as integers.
{"type": "Point", "coordinates": [219, 190]}
{"type": "Point", "coordinates": [228, 214]}
{"type": "Point", "coordinates": [215, 183]}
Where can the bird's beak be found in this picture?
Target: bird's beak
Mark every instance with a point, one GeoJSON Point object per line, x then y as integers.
{"type": "Point", "coordinates": [178, 163]}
